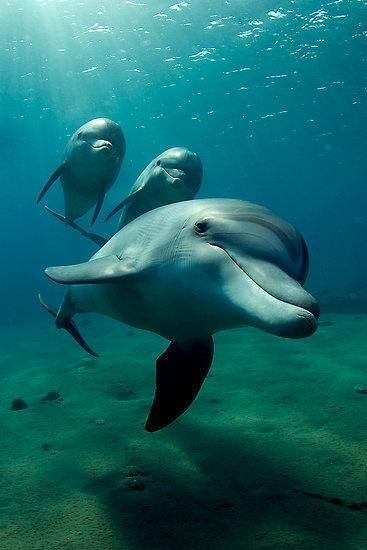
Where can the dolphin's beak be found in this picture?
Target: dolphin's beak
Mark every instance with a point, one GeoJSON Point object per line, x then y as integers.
{"type": "Point", "coordinates": [101, 144]}
{"type": "Point", "coordinates": [176, 175]}
{"type": "Point", "coordinates": [269, 299]}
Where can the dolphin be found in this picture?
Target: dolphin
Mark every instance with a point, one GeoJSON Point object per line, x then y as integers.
{"type": "Point", "coordinates": [92, 161]}
{"type": "Point", "coordinates": [173, 176]}
{"type": "Point", "coordinates": [186, 271]}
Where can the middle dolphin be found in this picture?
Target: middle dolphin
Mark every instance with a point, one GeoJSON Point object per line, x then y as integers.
{"type": "Point", "coordinates": [186, 271]}
{"type": "Point", "coordinates": [173, 176]}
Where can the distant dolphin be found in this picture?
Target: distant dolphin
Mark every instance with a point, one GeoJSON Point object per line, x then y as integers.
{"type": "Point", "coordinates": [174, 176]}
{"type": "Point", "coordinates": [93, 158]}
{"type": "Point", "coordinates": [186, 271]}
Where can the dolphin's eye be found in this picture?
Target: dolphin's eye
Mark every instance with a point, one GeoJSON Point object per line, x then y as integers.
{"type": "Point", "coordinates": [79, 135]}
{"type": "Point", "coordinates": [201, 227]}
{"type": "Point", "coordinates": [158, 162]}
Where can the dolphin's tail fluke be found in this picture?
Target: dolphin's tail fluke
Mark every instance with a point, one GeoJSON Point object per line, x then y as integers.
{"type": "Point", "coordinates": [63, 321]}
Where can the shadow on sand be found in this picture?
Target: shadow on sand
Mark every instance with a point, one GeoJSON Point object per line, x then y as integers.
{"type": "Point", "coordinates": [212, 488]}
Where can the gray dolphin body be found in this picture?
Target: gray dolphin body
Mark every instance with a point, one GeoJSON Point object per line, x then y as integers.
{"type": "Point", "coordinates": [186, 271]}
{"type": "Point", "coordinates": [174, 176]}
{"type": "Point", "coordinates": [92, 161]}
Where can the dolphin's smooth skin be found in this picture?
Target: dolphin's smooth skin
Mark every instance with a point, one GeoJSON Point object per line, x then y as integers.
{"type": "Point", "coordinates": [92, 161]}
{"type": "Point", "coordinates": [186, 271]}
{"type": "Point", "coordinates": [173, 176]}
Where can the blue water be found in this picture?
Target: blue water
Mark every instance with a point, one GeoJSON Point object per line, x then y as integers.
{"type": "Point", "coordinates": [272, 96]}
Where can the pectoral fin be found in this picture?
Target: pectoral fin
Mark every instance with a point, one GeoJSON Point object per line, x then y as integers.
{"type": "Point", "coordinates": [180, 373]}
{"type": "Point", "coordinates": [101, 270]}
{"type": "Point", "coordinates": [97, 208]}
{"type": "Point", "coordinates": [123, 203]}
{"type": "Point", "coordinates": [97, 239]}
{"type": "Point", "coordinates": [54, 176]}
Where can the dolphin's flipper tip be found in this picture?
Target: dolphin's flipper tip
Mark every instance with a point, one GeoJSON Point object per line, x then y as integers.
{"type": "Point", "coordinates": [41, 195]}
{"type": "Point", "coordinates": [112, 213]}
{"type": "Point", "coordinates": [56, 215]}
{"type": "Point", "coordinates": [69, 326]}
{"type": "Point", "coordinates": [54, 176]}
{"type": "Point", "coordinates": [73, 330]}
{"type": "Point", "coordinates": [50, 310]}
{"type": "Point", "coordinates": [97, 209]}
{"type": "Point", "coordinates": [180, 373]}
{"type": "Point", "coordinates": [120, 206]}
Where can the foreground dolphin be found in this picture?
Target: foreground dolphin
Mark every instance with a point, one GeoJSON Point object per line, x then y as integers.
{"type": "Point", "coordinates": [186, 271]}
{"type": "Point", "coordinates": [174, 176]}
{"type": "Point", "coordinates": [93, 158]}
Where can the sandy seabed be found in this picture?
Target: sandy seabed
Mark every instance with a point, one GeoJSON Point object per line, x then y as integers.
{"type": "Point", "coordinates": [272, 454]}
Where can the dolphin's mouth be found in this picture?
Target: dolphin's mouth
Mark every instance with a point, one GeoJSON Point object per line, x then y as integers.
{"type": "Point", "coordinates": [175, 172]}
{"type": "Point", "coordinates": [102, 144]}
{"type": "Point", "coordinates": [176, 175]}
{"type": "Point", "coordinates": [308, 309]}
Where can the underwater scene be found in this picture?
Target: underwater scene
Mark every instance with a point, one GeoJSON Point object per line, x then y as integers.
{"type": "Point", "coordinates": [183, 276]}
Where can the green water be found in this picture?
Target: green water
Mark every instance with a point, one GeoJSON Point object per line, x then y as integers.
{"type": "Point", "coordinates": [272, 454]}
{"type": "Point", "coordinates": [274, 416]}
